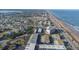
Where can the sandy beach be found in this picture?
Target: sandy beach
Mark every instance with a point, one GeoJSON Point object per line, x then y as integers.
{"type": "Point", "coordinates": [67, 28]}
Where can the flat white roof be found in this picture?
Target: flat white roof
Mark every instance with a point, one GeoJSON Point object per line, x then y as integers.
{"type": "Point", "coordinates": [32, 42]}
{"type": "Point", "coordinates": [48, 31]}
{"type": "Point", "coordinates": [45, 46]}
{"type": "Point", "coordinates": [30, 46]}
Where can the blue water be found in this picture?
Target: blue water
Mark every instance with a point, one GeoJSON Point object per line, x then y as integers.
{"type": "Point", "coordinates": [69, 16]}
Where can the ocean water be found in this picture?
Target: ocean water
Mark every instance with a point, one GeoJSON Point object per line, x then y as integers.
{"type": "Point", "coordinates": [70, 17]}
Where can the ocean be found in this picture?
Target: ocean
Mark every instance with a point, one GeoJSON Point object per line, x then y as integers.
{"type": "Point", "coordinates": [71, 17]}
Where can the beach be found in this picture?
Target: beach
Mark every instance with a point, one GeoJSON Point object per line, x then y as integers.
{"type": "Point", "coordinates": [73, 34]}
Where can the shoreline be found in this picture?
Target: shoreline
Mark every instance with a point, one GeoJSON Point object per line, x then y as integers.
{"type": "Point", "coordinates": [74, 33]}
{"type": "Point", "coordinates": [73, 27]}
{"type": "Point", "coordinates": [68, 29]}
